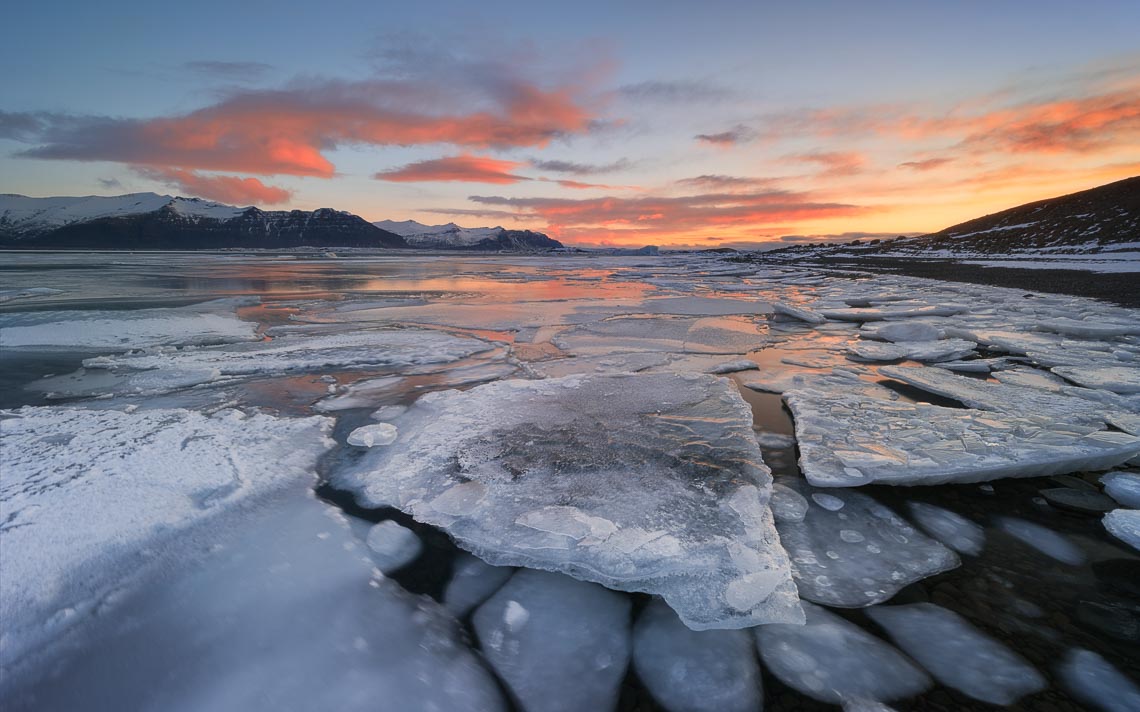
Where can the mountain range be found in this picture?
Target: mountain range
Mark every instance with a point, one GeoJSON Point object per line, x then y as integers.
{"type": "Point", "coordinates": [149, 221]}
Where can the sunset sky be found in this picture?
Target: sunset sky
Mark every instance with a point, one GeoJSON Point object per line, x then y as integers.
{"type": "Point", "coordinates": [630, 123]}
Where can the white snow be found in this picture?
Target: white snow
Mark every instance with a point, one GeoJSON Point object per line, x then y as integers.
{"type": "Point", "coordinates": [957, 654]}
{"type": "Point", "coordinates": [570, 650]}
{"type": "Point", "coordinates": [695, 671]}
{"type": "Point", "coordinates": [640, 482]}
{"type": "Point", "coordinates": [89, 496]}
{"type": "Point", "coordinates": [831, 660]}
{"type": "Point", "coordinates": [449, 235]}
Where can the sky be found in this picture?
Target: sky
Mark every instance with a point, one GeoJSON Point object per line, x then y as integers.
{"type": "Point", "coordinates": [712, 124]}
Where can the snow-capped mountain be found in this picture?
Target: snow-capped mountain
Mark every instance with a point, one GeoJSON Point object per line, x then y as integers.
{"type": "Point", "coordinates": [1103, 222]}
{"type": "Point", "coordinates": [454, 237]}
{"type": "Point", "coordinates": [152, 221]}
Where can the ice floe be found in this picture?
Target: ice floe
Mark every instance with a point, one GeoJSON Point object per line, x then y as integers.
{"type": "Point", "coordinates": [558, 643]}
{"type": "Point", "coordinates": [957, 654]}
{"type": "Point", "coordinates": [953, 530]}
{"type": "Point", "coordinates": [690, 671]}
{"type": "Point", "coordinates": [1043, 539]}
{"type": "Point", "coordinates": [1124, 487]}
{"type": "Point", "coordinates": [850, 551]}
{"type": "Point", "coordinates": [1094, 681]}
{"type": "Point", "coordinates": [941, 350]}
{"type": "Point", "coordinates": [1124, 524]}
{"type": "Point", "coordinates": [849, 440]}
{"type": "Point", "coordinates": [472, 582]}
{"type": "Point", "coordinates": [1118, 379]}
{"type": "Point", "coordinates": [88, 496]}
{"type": "Point", "coordinates": [373, 435]}
{"type": "Point", "coordinates": [799, 313]}
{"type": "Point", "coordinates": [834, 661]}
{"type": "Point", "coordinates": [647, 482]}
{"type": "Point", "coordinates": [393, 546]}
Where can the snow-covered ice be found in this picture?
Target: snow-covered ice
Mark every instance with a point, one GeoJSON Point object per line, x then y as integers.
{"type": "Point", "coordinates": [957, 654]}
{"type": "Point", "coordinates": [647, 482]}
{"type": "Point", "coordinates": [393, 546]}
{"type": "Point", "coordinates": [690, 671]}
{"type": "Point", "coordinates": [373, 435]}
{"type": "Point", "coordinates": [89, 496]}
{"type": "Point", "coordinates": [558, 643]}
{"type": "Point", "coordinates": [858, 553]}
{"type": "Point", "coordinates": [831, 660]}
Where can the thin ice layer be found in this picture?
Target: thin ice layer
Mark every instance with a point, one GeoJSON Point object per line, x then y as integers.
{"type": "Point", "coordinates": [648, 482]}
{"type": "Point", "coordinates": [89, 496]}
{"type": "Point", "coordinates": [122, 330]}
{"type": "Point", "coordinates": [850, 551]}
{"type": "Point", "coordinates": [849, 440]}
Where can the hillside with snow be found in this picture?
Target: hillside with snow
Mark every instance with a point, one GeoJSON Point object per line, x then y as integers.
{"type": "Point", "coordinates": [1096, 229]}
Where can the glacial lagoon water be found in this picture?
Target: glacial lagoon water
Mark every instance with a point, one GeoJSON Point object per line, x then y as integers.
{"type": "Point", "coordinates": [180, 494]}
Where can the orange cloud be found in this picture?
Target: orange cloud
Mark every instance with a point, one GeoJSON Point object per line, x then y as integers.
{"type": "Point", "coordinates": [834, 163]}
{"type": "Point", "coordinates": [465, 168]}
{"type": "Point", "coordinates": [226, 189]}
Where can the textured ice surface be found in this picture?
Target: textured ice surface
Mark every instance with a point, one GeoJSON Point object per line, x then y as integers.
{"type": "Point", "coordinates": [831, 660]}
{"type": "Point", "coordinates": [208, 323]}
{"type": "Point", "coordinates": [90, 495]}
{"type": "Point", "coordinates": [849, 440]}
{"type": "Point", "coordinates": [393, 546]}
{"type": "Point", "coordinates": [1124, 524]}
{"type": "Point", "coordinates": [787, 504]}
{"type": "Point", "coordinates": [648, 482]}
{"type": "Point", "coordinates": [274, 607]}
{"type": "Point", "coordinates": [903, 331]}
{"type": "Point", "coordinates": [1094, 681]}
{"type": "Point", "coordinates": [7, 295]}
{"type": "Point", "coordinates": [1091, 329]}
{"type": "Point", "coordinates": [896, 312]}
{"type": "Point", "coordinates": [942, 350]}
{"type": "Point", "coordinates": [799, 313]}
{"type": "Point", "coordinates": [370, 392]}
{"type": "Point", "coordinates": [859, 554]}
{"type": "Point", "coordinates": [957, 654]}
{"type": "Point", "coordinates": [733, 366]}
{"type": "Point", "coordinates": [1124, 487]}
{"type": "Point", "coordinates": [690, 671]}
{"type": "Point", "coordinates": [558, 643]}
{"type": "Point", "coordinates": [677, 334]}
{"type": "Point", "coordinates": [373, 435]}
{"type": "Point", "coordinates": [292, 354]}
{"type": "Point", "coordinates": [1118, 379]}
{"type": "Point", "coordinates": [472, 582]}
{"type": "Point", "coordinates": [1047, 541]}
{"type": "Point", "coordinates": [953, 530]}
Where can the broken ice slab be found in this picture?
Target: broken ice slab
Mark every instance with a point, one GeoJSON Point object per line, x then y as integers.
{"type": "Point", "coordinates": [676, 334]}
{"type": "Point", "coordinates": [159, 371]}
{"type": "Point", "coordinates": [1124, 487]}
{"type": "Point", "coordinates": [953, 530]}
{"type": "Point", "coordinates": [650, 482]}
{"type": "Point", "coordinates": [472, 582]}
{"type": "Point", "coordinates": [850, 551]}
{"type": "Point", "coordinates": [799, 313]}
{"type": "Point", "coordinates": [1124, 524]}
{"type": "Point", "coordinates": [1118, 379]}
{"type": "Point", "coordinates": [902, 331]}
{"type": "Point", "coordinates": [1095, 682]}
{"type": "Point", "coordinates": [849, 440]}
{"type": "Point", "coordinates": [940, 350]}
{"type": "Point", "coordinates": [1055, 546]}
{"type": "Point", "coordinates": [957, 654]}
{"type": "Point", "coordinates": [832, 660]}
{"type": "Point", "coordinates": [1088, 329]}
{"type": "Point", "coordinates": [898, 312]}
{"type": "Point", "coordinates": [122, 330]}
{"type": "Point", "coordinates": [695, 671]}
{"type": "Point", "coordinates": [559, 644]}
{"type": "Point", "coordinates": [273, 607]}
{"type": "Point", "coordinates": [1001, 397]}
{"type": "Point", "coordinates": [90, 496]}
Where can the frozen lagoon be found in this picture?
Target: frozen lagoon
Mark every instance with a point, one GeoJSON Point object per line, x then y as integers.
{"type": "Point", "coordinates": [191, 346]}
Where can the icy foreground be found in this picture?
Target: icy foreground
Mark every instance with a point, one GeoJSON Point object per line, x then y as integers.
{"type": "Point", "coordinates": [647, 483]}
{"type": "Point", "coordinates": [849, 440]}
{"type": "Point", "coordinates": [274, 607]}
{"type": "Point", "coordinates": [90, 496]}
